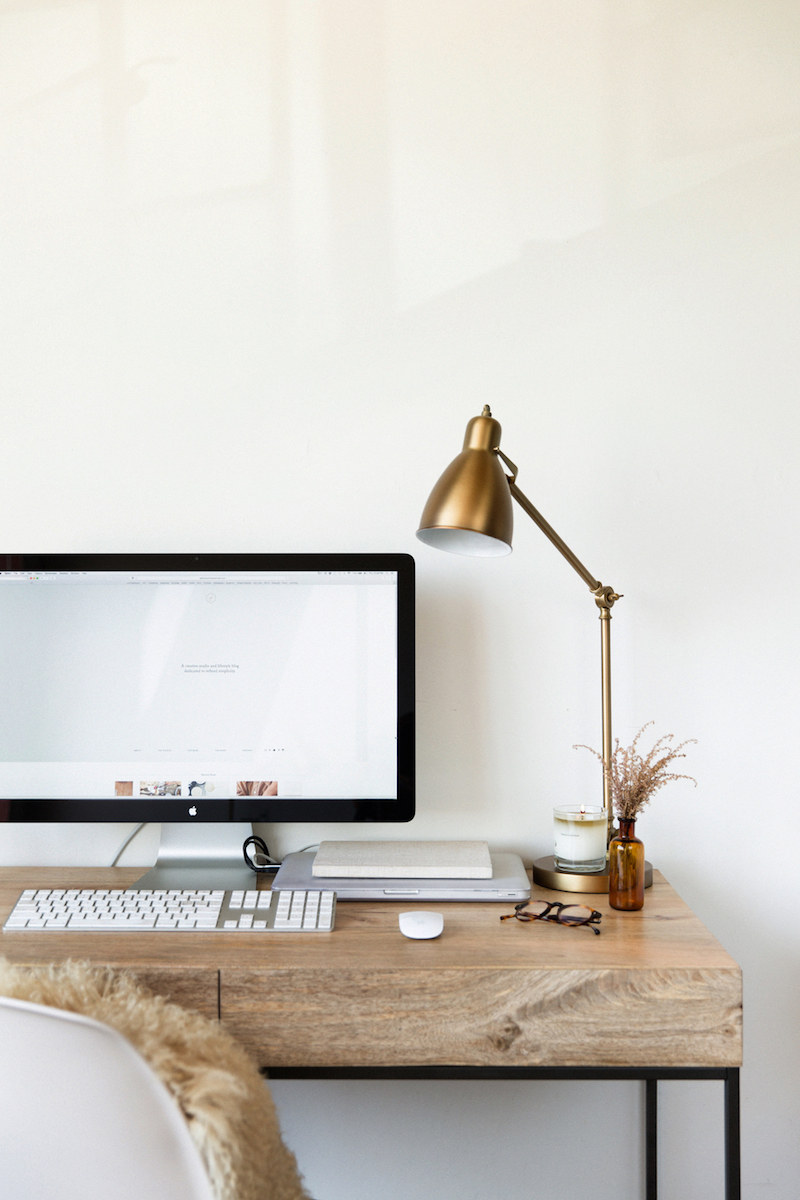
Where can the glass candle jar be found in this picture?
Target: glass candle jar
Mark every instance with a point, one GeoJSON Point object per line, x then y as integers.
{"type": "Point", "coordinates": [580, 838]}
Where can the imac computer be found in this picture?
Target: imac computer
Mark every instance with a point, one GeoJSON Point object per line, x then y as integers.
{"type": "Point", "coordinates": [206, 692]}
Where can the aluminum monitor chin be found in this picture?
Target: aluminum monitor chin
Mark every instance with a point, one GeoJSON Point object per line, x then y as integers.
{"type": "Point", "coordinates": [207, 688]}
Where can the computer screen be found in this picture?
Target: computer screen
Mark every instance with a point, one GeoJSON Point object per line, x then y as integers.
{"type": "Point", "coordinates": [207, 688]}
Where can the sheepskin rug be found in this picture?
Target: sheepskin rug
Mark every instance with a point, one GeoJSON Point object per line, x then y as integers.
{"type": "Point", "coordinates": [226, 1103]}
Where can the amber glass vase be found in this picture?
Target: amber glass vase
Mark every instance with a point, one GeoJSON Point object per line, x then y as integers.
{"type": "Point", "coordinates": [626, 869]}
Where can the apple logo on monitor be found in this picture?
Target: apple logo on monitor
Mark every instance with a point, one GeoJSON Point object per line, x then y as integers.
{"type": "Point", "coordinates": [193, 811]}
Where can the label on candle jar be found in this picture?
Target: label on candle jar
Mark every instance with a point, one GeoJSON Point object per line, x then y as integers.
{"type": "Point", "coordinates": [580, 838]}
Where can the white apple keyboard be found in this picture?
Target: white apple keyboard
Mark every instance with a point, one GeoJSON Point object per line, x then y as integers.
{"type": "Point", "coordinates": [117, 911]}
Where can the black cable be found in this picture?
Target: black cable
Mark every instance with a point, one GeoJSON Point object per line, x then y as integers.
{"type": "Point", "coordinates": [261, 861]}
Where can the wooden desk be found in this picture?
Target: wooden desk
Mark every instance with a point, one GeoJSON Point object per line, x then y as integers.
{"type": "Point", "coordinates": [654, 997]}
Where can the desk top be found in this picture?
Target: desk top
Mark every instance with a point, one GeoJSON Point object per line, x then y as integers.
{"type": "Point", "coordinates": [654, 989]}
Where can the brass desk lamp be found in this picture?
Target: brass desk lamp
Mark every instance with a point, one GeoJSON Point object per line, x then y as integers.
{"type": "Point", "coordinates": [469, 511]}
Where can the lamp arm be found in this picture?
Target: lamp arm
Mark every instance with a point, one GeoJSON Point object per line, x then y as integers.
{"type": "Point", "coordinates": [559, 543]}
{"type": "Point", "coordinates": [604, 598]}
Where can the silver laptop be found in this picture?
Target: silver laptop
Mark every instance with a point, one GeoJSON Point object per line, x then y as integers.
{"type": "Point", "coordinates": [509, 882]}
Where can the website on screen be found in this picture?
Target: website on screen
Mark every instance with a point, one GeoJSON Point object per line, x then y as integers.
{"type": "Point", "coordinates": [181, 683]}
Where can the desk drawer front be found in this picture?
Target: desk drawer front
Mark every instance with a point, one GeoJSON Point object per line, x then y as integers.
{"type": "Point", "coordinates": [297, 1017]}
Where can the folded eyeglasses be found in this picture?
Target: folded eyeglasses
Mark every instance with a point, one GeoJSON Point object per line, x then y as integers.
{"type": "Point", "coordinates": [564, 914]}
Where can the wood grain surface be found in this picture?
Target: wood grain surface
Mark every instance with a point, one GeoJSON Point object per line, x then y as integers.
{"type": "Point", "coordinates": [655, 989]}
{"type": "Point", "coordinates": [485, 1017]}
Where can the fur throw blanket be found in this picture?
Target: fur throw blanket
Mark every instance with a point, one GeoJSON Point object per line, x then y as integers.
{"type": "Point", "coordinates": [227, 1105]}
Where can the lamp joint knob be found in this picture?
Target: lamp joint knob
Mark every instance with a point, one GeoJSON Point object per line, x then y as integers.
{"type": "Point", "coordinates": [604, 597]}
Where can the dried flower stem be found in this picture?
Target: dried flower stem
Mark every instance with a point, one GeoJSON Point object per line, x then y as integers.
{"type": "Point", "coordinates": [635, 778]}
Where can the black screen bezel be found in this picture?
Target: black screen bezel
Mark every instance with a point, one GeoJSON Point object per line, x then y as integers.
{"type": "Point", "coordinates": [245, 808]}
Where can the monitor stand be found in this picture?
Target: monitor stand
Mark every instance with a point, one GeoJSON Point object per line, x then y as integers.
{"type": "Point", "coordinates": [200, 856]}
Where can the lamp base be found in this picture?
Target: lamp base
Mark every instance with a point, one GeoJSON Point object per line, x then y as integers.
{"type": "Point", "coordinates": [547, 875]}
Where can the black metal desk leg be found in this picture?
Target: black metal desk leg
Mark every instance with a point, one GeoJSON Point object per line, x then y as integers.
{"type": "Point", "coordinates": [651, 1139]}
{"type": "Point", "coordinates": [733, 1153]}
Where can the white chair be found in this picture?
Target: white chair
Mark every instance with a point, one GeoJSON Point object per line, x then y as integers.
{"type": "Point", "coordinates": [83, 1117]}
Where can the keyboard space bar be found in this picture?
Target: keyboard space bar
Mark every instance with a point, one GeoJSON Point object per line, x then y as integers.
{"type": "Point", "coordinates": [104, 923]}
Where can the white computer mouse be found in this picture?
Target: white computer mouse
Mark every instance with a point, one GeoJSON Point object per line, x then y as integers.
{"type": "Point", "coordinates": [421, 924]}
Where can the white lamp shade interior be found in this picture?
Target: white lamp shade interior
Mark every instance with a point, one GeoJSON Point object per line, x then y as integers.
{"type": "Point", "coordinates": [464, 541]}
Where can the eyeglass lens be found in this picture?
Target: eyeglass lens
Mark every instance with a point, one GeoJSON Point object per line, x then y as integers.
{"type": "Point", "coordinates": [570, 914]}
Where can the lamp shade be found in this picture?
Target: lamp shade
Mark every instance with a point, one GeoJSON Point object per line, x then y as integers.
{"type": "Point", "coordinates": [469, 510]}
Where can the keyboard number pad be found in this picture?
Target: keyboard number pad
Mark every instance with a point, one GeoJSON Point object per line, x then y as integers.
{"type": "Point", "coordinates": [303, 911]}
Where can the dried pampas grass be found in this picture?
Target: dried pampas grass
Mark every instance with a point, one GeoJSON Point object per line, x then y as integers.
{"type": "Point", "coordinates": [635, 778]}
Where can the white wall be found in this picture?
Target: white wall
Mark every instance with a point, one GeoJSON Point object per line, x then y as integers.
{"type": "Point", "coordinates": [263, 259]}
